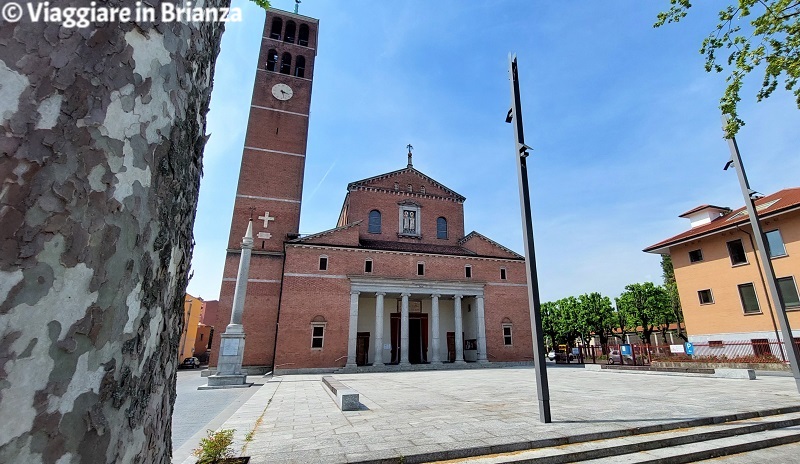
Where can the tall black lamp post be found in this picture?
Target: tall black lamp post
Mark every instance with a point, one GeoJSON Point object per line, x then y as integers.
{"type": "Point", "coordinates": [521, 154]}
{"type": "Point", "coordinates": [769, 273]}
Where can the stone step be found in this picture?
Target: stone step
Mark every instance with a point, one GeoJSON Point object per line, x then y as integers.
{"type": "Point", "coordinates": [693, 452]}
{"type": "Point", "coordinates": [700, 442]}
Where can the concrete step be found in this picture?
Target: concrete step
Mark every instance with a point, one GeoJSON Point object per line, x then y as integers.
{"type": "Point", "coordinates": [694, 452]}
{"type": "Point", "coordinates": [669, 446]}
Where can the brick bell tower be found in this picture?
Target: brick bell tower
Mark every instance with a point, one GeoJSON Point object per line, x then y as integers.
{"type": "Point", "coordinates": [271, 178]}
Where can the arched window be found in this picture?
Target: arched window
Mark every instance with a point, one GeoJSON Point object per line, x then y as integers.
{"type": "Point", "coordinates": [374, 222]}
{"type": "Point", "coordinates": [272, 60]}
{"type": "Point", "coordinates": [290, 31]}
{"type": "Point", "coordinates": [441, 228]}
{"type": "Point", "coordinates": [286, 63]}
{"type": "Point", "coordinates": [275, 30]}
{"type": "Point", "coordinates": [300, 67]}
{"type": "Point", "coordinates": [302, 39]}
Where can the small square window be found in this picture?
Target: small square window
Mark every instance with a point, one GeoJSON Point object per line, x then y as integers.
{"type": "Point", "coordinates": [736, 252]}
{"type": "Point", "coordinates": [420, 269]}
{"type": "Point", "coordinates": [502, 273]}
{"type": "Point", "coordinates": [507, 335]}
{"type": "Point", "coordinates": [695, 256]}
{"type": "Point", "coordinates": [323, 263]}
{"type": "Point", "coordinates": [368, 266]}
{"type": "Point", "coordinates": [775, 246]}
{"type": "Point", "coordinates": [747, 293]}
{"type": "Point", "coordinates": [705, 296]}
{"type": "Point", "coordinates": [788, 289]}
{"type": "Point", "coordinates": [317, 336]}
{"type": "Point", "coordinates": [468, 271]}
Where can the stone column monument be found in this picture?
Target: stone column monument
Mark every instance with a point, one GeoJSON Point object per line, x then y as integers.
{"type": "Point", "coordinates": [231, 349]}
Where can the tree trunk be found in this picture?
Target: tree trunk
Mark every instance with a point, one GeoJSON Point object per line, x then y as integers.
{"type": "Point", "coordinates": [102, 131]}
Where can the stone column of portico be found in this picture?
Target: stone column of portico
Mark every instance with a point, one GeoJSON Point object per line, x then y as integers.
{"type": "Point", "coordinates": [481, 329]}
{"type": "Point", "coordinates": [378, 361]}
{"type": "Point", "coordinates": [351, 336]}
{"type": "Point", "coordinates": [435, 357]}
{"type": "Point", "coordinates": [459, 330]}
{"type": "Point", "coordinates": [404, 329]}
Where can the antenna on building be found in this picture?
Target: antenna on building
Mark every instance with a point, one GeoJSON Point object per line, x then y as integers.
{"type": "Point", "coordinates": [296, 6]}
{"type": "Point", "coordinates": [410, 165]}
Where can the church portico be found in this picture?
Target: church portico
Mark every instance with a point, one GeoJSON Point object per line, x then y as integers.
{"type": "Point", "coordinates": [402, 322]}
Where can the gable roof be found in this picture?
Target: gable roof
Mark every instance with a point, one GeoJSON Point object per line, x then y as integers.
{"type": "Point", "coordinates": [369, 182]}
{"type": "Point", "coordinates": [335, 230]}
{"type": "Point", "coordinates": [702, 207]}
{"type": "Point", "coordinates": [770, 205]}
{"type": "Point", "coordinates": [474, 234]}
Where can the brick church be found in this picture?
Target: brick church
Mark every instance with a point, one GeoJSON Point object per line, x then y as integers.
{"type": "Point", "coordinates": [397, 281]}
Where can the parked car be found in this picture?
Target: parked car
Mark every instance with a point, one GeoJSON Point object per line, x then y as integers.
{"type": "Point", "coordinates": [551, 355]}
{"type": "Point", "coordinates": [562, 356]}
{"type": "Point", "coordinates": [192, 363]}
{"type": "Point", "coordinates": [614, 357]}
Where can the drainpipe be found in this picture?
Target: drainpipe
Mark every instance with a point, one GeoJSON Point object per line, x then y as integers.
{"type": "Point", "coordinates": [766, 291]}
{"type": "Point", "coordinates": [278, 316]}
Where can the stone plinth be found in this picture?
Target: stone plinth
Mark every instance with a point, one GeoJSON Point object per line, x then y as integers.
{"type": "Point", "coordinates": [226, 381]}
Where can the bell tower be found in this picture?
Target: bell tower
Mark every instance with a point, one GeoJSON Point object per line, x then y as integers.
{"type": "Point", "coordinates": [271, 177]}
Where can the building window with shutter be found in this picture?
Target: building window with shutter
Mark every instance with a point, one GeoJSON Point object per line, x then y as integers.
{"type": "Point", "coordinates": [736, 252]}
{"type": "Point", "coordinates": [747, 293]}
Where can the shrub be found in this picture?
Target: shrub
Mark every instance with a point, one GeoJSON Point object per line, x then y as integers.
{"type": "Point", "coordinates": [216, 446]}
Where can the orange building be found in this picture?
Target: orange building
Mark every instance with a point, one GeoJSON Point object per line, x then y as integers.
{"type": "Point", "coordinates": [720, 276]}
{"type": "Point", "coordinates": [192, 309]}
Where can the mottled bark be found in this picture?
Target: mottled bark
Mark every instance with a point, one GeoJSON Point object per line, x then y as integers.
{"type": "Point", "coordinates": [101, 137]}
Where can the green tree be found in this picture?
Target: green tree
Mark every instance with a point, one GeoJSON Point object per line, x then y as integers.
{"type": "Point", "coordinates": [754, 34]}
{"type": "Point", "coordinates": [647, 306]}
{"type": "Point", "coordinates": [549, 311]}
{"type": "Point", "coordinates": [671, 285]}
{"type": "Point", "coordinates": [568, 324]}
{"type": "Point", "coordinates": [597, 317]}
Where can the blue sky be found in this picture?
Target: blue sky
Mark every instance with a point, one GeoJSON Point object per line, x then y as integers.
{"type": "Point", "coordinates": [623, 119]}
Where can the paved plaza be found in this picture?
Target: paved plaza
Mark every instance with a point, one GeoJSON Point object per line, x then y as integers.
{"type": "Point", "coordinates": [294, 419]}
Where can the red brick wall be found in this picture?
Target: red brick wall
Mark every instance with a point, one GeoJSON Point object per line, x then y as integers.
{"type": "Point", "coordinates": [484, 248]}
{"type": "Point", "coordinates": [415, 179]}
{"type": "Point", "coordinates": [329, 297]}
{"type": "Point", "coordinates": [508, 302]}
{"type": "Point", "coordinates": [346, 237]}
{"type": "Point", "coordinates": [266, 181]}
{"type": "Point", "coordinates": [361, 202]}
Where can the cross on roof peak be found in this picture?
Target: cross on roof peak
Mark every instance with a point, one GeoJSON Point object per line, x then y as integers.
{"type": "Point", "coordinates": [410, 148]}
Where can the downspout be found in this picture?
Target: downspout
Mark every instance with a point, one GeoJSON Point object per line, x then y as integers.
{"type": "Point", "coordinates": [766, 291]}
{"type": "Point", "coordinates": [278, 316]}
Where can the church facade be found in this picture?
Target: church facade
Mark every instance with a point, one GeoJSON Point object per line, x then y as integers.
{"type": "Point", "coordinates": [397, 282]}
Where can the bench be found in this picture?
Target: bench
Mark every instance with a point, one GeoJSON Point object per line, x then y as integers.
{"type": "Point", "coordinates": [346, 398]}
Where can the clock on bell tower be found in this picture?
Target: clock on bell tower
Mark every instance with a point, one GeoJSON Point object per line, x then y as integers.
{"type": "Point", "coordinates": [271, 177]}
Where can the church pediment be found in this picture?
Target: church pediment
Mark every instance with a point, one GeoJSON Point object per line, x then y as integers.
{"type": "Point", "coordinates": [409, 181]}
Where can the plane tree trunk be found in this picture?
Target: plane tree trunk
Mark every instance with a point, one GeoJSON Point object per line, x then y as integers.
{"type": "Point", "coordinates": [102, 131]}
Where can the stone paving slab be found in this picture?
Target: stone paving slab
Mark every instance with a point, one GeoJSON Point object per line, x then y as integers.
{"type": "Point", "coordinates": [441, 412]}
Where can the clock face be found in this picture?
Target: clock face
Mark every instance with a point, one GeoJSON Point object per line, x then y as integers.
{"type": "Point", "coordinates": [282, 92]}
